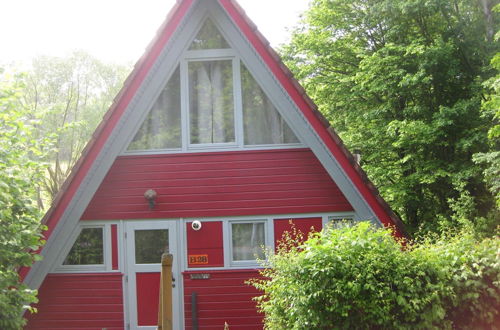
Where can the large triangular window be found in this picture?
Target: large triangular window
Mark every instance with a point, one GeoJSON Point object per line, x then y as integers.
{"type": "Point", "coordinates": [211, 101]}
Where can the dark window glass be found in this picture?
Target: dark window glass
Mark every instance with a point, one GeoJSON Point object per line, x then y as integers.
{"type": "Point", "coordinates": [337, 223]}
{"type": "Point", "coordinates": [150, 245]}
{"type": "Point", "coordinates": [88, 248]}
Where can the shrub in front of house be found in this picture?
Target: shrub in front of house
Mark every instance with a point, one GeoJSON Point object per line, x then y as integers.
{"type": "Point", "coordinates": [362, 278]}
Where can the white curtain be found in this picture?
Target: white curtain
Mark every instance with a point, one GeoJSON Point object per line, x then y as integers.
{"type": "Point", "coordinates": [248, 240]}
{"type": "Point", "coordinates": [262, 122]}
{"type": "Point", "coordinates": [211, 102]}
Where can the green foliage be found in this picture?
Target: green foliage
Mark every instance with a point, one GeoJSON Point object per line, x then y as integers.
{"type": "Point", "coordinates": [361, 278]}
{"type": "Point", "coordinates": [20, 229]}
{"type": "Point", "coordinates": [401, 81]}
{"type": "Point", "coordinates": [491, 109]}
{"type": "Point", "coordinates": [67, 98]}
{"type": "Point", "coordinates": [470, 271]}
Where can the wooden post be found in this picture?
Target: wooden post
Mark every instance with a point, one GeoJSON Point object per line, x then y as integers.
{"type": "Point", "coordinates": [165, 303]}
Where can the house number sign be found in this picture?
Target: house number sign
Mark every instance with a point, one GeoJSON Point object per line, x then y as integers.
{"type": "Point", "coordinates": [198, 259]}
{"type": "Point", "coordinates": [199, 276]}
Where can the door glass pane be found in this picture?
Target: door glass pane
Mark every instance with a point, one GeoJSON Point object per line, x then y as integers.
{"type": "Point", "coordinates": [162, 127]}
{"type": "Point", "coordinates": [262, 122]}
{"type": "Point", "coordinates": [209, 37]}
{"type": "Point", "coordinates": [150, 245]}
{"type": "Point", "coordinates": [248, 240]}
{"type": "Point", "coordinates": [211, 105]}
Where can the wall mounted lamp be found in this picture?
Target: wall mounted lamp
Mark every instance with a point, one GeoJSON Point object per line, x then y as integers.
{"type": "Point", "coordinates": [150, 195]}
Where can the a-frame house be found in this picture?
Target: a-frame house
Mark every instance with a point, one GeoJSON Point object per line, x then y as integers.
{"type": "Point", "coordinates": [214, 124]}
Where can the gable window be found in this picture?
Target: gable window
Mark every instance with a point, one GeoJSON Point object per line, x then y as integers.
{"type": "Point", "coordinates": [212, 100]}
{"type": "Point", "coordinates": [247, 241]}
{"type": "Point", "coordinates": [88, 248]}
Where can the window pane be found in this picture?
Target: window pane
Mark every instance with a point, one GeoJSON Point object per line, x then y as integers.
{"type": "Point", "coordinates": [337, 223]}
{"type": "Point", "coordinates": [150, 245]}
{"type": "Point", "coordinates": [262, 122]}
{"type": "Point", "coordinates": [162, 127]}
{"type": "Point", "coordinates": [209, 37]}
{"type": "Point", "coordinates": [211, 106]}
{"type": "Point", "coordinates": [88, 248]}
{"type": "Point", "coordinates": [248, 240]}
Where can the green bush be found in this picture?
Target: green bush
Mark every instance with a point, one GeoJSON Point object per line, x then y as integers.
{"type": "Point", "coordinates": [361, 278]}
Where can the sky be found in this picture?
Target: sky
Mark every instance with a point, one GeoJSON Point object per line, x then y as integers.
{"type": "Point", "coordinates": [116, 31]}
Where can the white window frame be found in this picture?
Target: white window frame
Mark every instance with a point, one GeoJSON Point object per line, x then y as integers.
{"type": "Point", "coordinates": [206, 56]}
{"type": "Point", "coordinates": [107, 251]}
{"type": "Point", "coordinates": [267, 243]}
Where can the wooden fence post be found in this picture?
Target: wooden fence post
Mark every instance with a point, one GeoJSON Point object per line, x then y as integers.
{"type": "Point", "coordinates": [165, 304]}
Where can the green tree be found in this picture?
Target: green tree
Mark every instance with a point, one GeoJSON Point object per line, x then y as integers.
{"type": "Point", "coordinates": [20, 228]}
{"type": "Point", "coordinates": [491, 108]}
{"type": "Point", "coordinates": [68, 97]}
{"type": "Point", "coordinates": [402, 82]}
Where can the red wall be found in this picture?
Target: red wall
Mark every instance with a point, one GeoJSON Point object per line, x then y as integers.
{"type": "Point", "coordinates": [79, 301]}
{"type": "Point", "coordinates": [303, 225]}
{"type": "Point", "coordinates": [206, 243]}
{"type": "Point", "coordinates": [223, 298]}
{"type": "Point", "coordinates": [217, 184]}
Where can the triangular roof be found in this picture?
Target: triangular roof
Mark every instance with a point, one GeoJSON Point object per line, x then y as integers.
{"type": "Point", "coordinates": [161, 55]}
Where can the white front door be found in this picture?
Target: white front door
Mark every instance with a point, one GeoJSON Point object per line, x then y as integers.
{"type": "Point", "coordinates": [145, 242]}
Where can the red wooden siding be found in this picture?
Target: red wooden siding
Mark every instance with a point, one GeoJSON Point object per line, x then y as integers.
{"type": "Point", "coordinates": [79, 301]}
{"type": "Point", "coordinates": [205, 242]}
{"type": "Point", "coordinates": [223, 298]}
{"type": "Point", "coordinates": [217, 184]}
{"type": "Point", "coordinates": [301, 224]}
